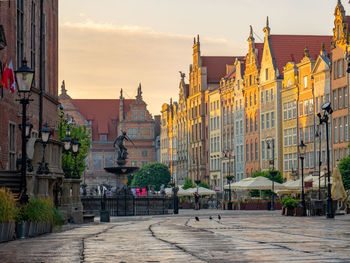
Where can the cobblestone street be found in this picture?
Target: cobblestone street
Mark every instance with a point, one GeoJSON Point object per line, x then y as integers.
{"type": "Point", "coordinates": [240, 236]}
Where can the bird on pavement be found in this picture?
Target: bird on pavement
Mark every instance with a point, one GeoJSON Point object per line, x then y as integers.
{"type": "Point", "coordinates": [219, 217]}
{"type": "Point", "coordinates": [197, 219]}
{"type": "Point", "coordinates": [210, 218]}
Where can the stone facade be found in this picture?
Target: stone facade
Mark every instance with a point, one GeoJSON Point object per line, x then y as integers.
{"type": "Point", "coordinates": [105, 118]}
{"type": "Point", "coordinates": [25, 43]}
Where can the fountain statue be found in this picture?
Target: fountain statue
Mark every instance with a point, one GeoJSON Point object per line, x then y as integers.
{"type": "Point", "coordinates": [122, 171]}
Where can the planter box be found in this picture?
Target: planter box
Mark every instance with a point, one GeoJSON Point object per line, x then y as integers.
{"type": "Point", "coordinates": [38, 228]}
{"type": "Point", "coordinates": [299, 211]}
{"type": "Point", "coordinates": [289, 211]}
{"type": "Point", "coordinates": [7, 231]}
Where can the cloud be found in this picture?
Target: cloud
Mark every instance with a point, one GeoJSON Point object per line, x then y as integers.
{"type": "Point", "coordinates": [97, 59]}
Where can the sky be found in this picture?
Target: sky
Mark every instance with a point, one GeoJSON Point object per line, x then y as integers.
{"type": "Point", "coordinates": [107, 45]}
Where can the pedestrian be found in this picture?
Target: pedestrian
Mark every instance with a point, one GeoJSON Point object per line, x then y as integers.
{"type": "Point", "coordinates": [196, 201]}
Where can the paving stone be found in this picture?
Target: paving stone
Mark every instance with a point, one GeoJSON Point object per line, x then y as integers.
{"type": "Point", "coordinates": [240, 236]}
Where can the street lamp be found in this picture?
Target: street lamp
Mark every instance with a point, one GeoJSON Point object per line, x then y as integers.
{"type": "Point", "coordinates": [227, 154]}
{"type": "Point", "coordinates": [272, 171]}
{"type": "Point", "coordinates": [45, 136]}
{"type": "Point", "coordinates": [24, 80]}
{"type": "Point", "coordinates": [327, 110]}
{"type": "Point", "coordinates": [302, 150]}
{"type": "Point", "coordinates": [318, 135]}
{"type": "Point", "coordinates": [175, 189]}
{"type": "Point", "coordinates": [75, 149]}
{"type": "Point", "coordinates": [67, 144]}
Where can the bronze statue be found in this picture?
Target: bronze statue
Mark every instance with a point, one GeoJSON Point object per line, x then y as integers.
{"type": "Point", "coordinates": [120, 146]}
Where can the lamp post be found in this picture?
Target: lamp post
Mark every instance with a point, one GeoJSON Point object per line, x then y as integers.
{"type": "Point", "coordinates": [227, 154]}
{"type": "Point", "coordinates": [318, 135]}
{"type": "Point", "coordinates": [273, 173]}
{"type": "Point", "coordinates": [45, 136]}
{"type": "Point", "coordinates": [75, 150]}
{"type": "Point", "coordinates": [175, 189]}
{"type": "Point", "coordinates": [67, 144]}
{"type": "Point", "coordinates": [302, 149]}
{"type": "Point", "coordinates": [24, 80]}
{"type": "Point", "coordinates": [327, 110]}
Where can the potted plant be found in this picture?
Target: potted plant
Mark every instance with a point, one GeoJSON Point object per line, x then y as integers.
{"type": "Point", "coordinates": [7, 215]}
{"type": "Point", "coordinates": [289, 205]}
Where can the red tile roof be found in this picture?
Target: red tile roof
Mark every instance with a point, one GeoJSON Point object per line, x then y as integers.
{"type": "Point", "coordinates": [216, 66]}
{"type": "Point", "coordinates": [102, 113]}
{"type": "Point", "coordinates": [260, 48]}
{"type": "Point", "coordinates": [290, 48]}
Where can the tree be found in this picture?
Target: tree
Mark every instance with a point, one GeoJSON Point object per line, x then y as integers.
{"type": "Point", "coordinates": [83, 135]}
{"type": "Point", "coordinates": [152, 174]}
{"type": "Point", "coordinates": [188, 184]}
{"type": "Point", "coordinates": [205, 185]}
{"type": "Point", "coordinates": [344, 168]}
{"type": "Point", "coordinates": [277, 178]}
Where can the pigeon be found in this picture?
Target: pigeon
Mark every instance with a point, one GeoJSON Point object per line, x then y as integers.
{"type": "Point", "coordinates": [219, 217]}
{"type": "Point", "coordinates": [197, 219]}
{"type": "Point", "coordinates": [210, 218]}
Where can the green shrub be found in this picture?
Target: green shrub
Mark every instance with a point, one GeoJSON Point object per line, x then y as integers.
{"type": "Point", "coordinates": [58, 219]}
{"type": "Point", "coordinates": [289, 202]}
{"type": "Point", "coordinates": [7, 206]}
{"type": "Point", "coordinates": [37, 210]}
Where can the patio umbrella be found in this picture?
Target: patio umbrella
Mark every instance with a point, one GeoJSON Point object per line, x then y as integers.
{"type": "Point", "coordinates": [240, 184]}
{"type": "Point", "coordinates": [181, 192]}
{"type": "Point", "coordinates": [338, 191]}
{"type": "Point", "coordinates": [262, 183]}
{"type": "Point", "coordinates": [201, 191]}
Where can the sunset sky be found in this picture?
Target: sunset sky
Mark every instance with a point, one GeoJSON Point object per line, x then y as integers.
{"type": "Point", "coordinates": [111, 44]}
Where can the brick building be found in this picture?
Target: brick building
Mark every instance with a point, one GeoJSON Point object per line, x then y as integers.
{"type": "Point", "coordinates": [21, 21]}
{"type": "Point", "coordinates": [106, 118]}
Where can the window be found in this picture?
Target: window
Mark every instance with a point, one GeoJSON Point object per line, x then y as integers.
{"type": "Point", "coordinates": [267, 120]}
{"type": "Point", "coordinates": [251, 152]}
{"type": "Point", "coordinates": [251, 124]}
{"type": "Point", "coordinates": [247, 152]}
{"type": "Point", "coordinates": [256, 122]}
{"type": "Point", "coordinates": [294, 107]}
{"type": "Point", "coordinates": [285, 138]}
{"type": "Point", "coordinates": [266, 74]}
{"type": "Point", "coordinates": [144, 153]}
{"type": "Point", "coordinates": [256, 150]}
{"type": "Point", "coordinates": [340, 101]}
{"type": "Point", "coordinates": [285, 158]}
{"type": "Point", "coordinates": [255, 99]}
{"type": "Point", "coordinates": [262, 97]}
{"type": "Point", "coordinates": [250, 100]}
{"type": "Point", "coordinates": [12, 147]}
{"type": "Point", "coordinates": [271, 92]}
{"type": "Point", "coordinates": [340, 130]}
{"type": "Point", "coordinates": [301, 135]}
{"type": "Point", "coordinates": [306, 134]}
{"type": "Point", "coordinates": [262, 121]}
{"type": "Point", "coordinates": [97, 162]}
{"type": "Point", "coordinates": [263, 150]}
{"type": "Point", "coordinates": [294, 136]}
{"type": "Point", "coordinates": [346, 102]}
{"type": "Point", "coordinates": [32, 36]}
{"type": "Point", "coordinates": [109, 160]}
{"type": "Point", "coordinates": [246, 102]}
{"type": "Point", "coordinates": [306, 107]}
{"type": "Point", "coordinates": [241, 126]}
{"type": "Point", "coordinates": [132, 132]}
{"type": "Point", "coordinates": [305, 82]}
{"type": "Point", "coordinates": [20, 32]}
{"type": "Point", "coordinates": [290, 137]}
{"type": "Point", "coordinates": [289, 110]}
{"type": "Point", "coordinates": [301, 112]}
{"type": "Point", "coordinates": [346, 131]}
{"type": "Point", "coordinates": [266, 95]}
{"type": "Point", "coordinates": [335, 130]}
{"type": "Point", "coordinates": [272, 119]}
{"type": "Point", "coordinates": [335, 99]}
{"type": "Point", "coordinates": [285, 111]}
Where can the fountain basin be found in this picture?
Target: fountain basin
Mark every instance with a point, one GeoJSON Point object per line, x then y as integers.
{"type": "Point", "coordinates": [122, 173]}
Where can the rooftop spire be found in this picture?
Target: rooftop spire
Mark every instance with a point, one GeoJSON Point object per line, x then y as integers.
{"type": "Point", "coordinates": [139, 92]}
{"type": "Point", "coordinates": [267, 28]}
{"type": "Point", "coordinates": [63, 88]}
{"type": "Point", "coordinates": [121, 94]}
